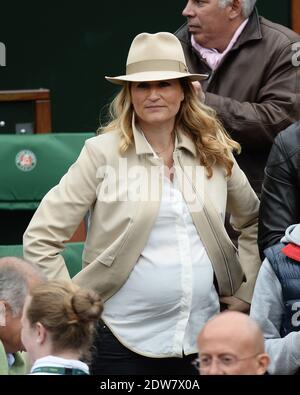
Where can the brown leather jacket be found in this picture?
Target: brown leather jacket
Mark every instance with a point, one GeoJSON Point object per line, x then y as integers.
{"type": "Point", "coordinates": [255, 90]}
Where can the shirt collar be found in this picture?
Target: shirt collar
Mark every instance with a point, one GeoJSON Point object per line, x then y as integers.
{"type": "Point", "coordinates": [142, 146]}
{"type": "Point", "coordinates": [10, 359]}
{"type": "Point", "coordinates": [252, 30]}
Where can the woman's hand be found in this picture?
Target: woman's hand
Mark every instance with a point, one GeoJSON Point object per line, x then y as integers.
{"type": "Point", "coordinates": [236, 304]}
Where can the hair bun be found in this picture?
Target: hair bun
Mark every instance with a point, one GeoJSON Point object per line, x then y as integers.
{"type": "Point", "coordinates": [86, 305]}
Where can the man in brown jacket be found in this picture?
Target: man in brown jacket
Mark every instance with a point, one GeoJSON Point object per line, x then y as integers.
{"type": "Point", "coordinates": [253, 81]}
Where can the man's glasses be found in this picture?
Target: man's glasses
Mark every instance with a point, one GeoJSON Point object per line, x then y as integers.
{"type": "Point", "coordinates": [224, 361]}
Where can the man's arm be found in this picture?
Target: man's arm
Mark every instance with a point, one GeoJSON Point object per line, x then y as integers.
{"type": "Point", "coordinates": [276, 105]}
{"type": "Point", "coordinates": [59, 213]}
{"type": "Point", "coordinates": [267, 309]}
{"type": "Point", "coordinates": [243, 207]}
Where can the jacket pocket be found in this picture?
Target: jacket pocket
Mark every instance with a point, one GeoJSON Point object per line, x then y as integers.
{"type": "Point", "coordinates": [108, 255]}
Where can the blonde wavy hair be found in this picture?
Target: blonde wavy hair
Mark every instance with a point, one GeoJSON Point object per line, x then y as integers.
{"type": "Point", "coordinates": [213, 143]}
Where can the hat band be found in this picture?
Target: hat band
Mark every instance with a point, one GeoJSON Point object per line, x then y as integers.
{"type": "Point", "coordinates": [156, 65]}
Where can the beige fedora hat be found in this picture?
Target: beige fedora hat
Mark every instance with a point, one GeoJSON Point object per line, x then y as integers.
{"type": "Point", "coordinates": [155, 57]}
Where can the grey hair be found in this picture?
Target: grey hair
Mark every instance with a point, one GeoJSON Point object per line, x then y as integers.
{"type": "Point", "coordinates": [247, 6]}
{"type": "Point", "coordinates": [14, 275]}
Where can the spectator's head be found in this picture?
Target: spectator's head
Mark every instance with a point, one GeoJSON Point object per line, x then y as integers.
{"type": "Point", "coordinates": [232, 343]}
{"type": "Point", "coordinates": [59, 319]}
{"type": "Point", "coordinates": [213, 22]}
{"type": "Point", "coordinates": [17, 277]}
{"type": "Point", "coordinates": [157, 89]}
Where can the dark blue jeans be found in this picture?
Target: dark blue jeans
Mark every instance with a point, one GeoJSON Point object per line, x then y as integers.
{"type": "Point", "coordinates": [111, 357]}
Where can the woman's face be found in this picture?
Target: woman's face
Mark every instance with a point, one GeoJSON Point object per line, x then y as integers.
{"type": "Point", "coordinates": [156, 102]}
{"type": "Point", "coordinates": [11, 330]}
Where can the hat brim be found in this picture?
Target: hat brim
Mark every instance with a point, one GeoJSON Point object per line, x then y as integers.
{"type": "Point", "coordinates": [292, 251]}
{"type": "Point", "coordinates": [155, 76]}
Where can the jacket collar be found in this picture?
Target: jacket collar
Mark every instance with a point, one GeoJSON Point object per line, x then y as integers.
{"type": "Point", "coordinates": [141, 146]}
{"type": "Point", "coordinates": [182, 141]}
{"type": "Point", "coordinates": [185, 142]}
{"type": "Point", "coordinates": [18, 367]}
{"type": "Point", "coordinates": [252, 31]}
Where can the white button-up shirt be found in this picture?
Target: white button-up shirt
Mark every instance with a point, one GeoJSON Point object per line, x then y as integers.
{"type": "Point", "coordinates": [170, 293]}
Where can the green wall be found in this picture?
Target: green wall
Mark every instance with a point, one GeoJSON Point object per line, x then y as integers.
{"type": "Point", "coordinates": [68, 48]}
{"type": "Point", "coordinates": [276, 10]}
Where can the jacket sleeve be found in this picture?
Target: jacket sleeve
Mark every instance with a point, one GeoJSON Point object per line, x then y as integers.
{"type": "Point", "coordinates": [276, 105]}
{"type": "Point", "coordinates": [267, 309]}
{"type": "Point", "coordinates": [243, 207]}
{"type": "Point", "coordinates": [59, 214]}
{"type": "Point", "coordinates": [280, 196]}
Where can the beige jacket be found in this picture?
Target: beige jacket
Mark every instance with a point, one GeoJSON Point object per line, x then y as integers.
{"type": "Point", "coordinates": [100, 180]}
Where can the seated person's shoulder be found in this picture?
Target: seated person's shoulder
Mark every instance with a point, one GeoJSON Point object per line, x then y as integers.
{"type": "Point", "coordinates": [288, 140]}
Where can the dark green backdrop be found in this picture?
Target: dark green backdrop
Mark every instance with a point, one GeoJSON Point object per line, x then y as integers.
{"type": "Point", "coordinates": [68, 48]}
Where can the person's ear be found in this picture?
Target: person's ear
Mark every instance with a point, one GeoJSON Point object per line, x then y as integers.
{"type": "Point", "coordinates": [235, 9]}
{"type": "Point", "coordinates": [2, 313]}
{"type": "Point", "coordinates": [263, 361]}
{"type": "Point", "coordinates": [41, 333]}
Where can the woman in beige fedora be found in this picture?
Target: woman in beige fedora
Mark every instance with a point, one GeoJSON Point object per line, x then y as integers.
{"type": "Point", "coordinates": [157, 182]}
